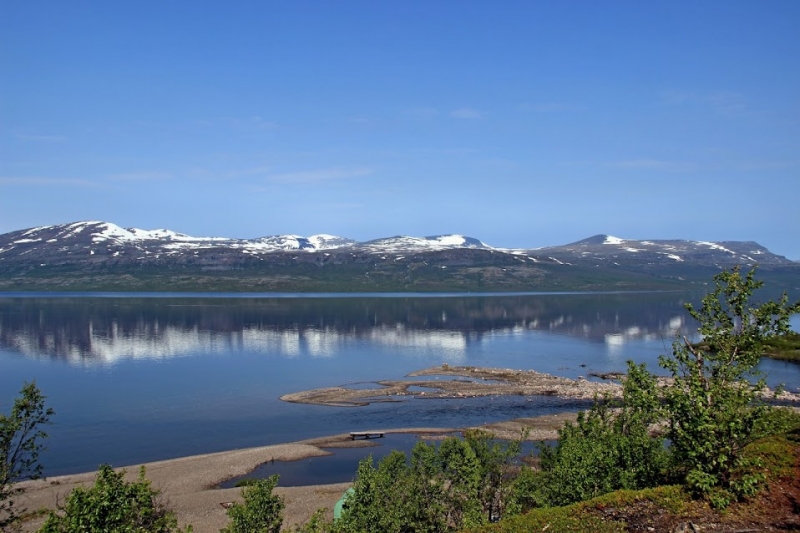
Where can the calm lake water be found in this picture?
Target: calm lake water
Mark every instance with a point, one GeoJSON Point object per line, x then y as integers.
{"type": "Point", "coordinates": [136, 379]}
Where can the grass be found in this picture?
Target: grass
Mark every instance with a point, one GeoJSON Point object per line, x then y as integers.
{"type": "Point", "coordinates": [785, 347]}
{"type": "Point", "coordinates": [609, 513]}
{"type": "Point", "coordinates": [555, 520]}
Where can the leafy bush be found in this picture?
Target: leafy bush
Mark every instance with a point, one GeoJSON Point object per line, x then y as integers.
{"type": "Point", "coordinates": [605, 451]}
{"type": "Point", "coordinates": [20, 443]}
{"type": "Point", "coordinates": [113, 505]}
{"type": "Point", "coordinates": [714, 406]}
{"type": "Point", "coordinates": [261, 512]}
{"type": "Point", "coordinates": [525, 491]}
{"type": "Point", "coordinates": [460, 483]}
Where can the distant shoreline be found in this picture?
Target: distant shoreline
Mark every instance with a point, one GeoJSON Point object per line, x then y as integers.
{"type": "Point", "coordinates": [56, 293]}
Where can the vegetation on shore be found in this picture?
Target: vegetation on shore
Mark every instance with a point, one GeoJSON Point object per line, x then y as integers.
{"type": "Point", "coordinates": [785, 347]}
{"type": "Point", "coordinates": [113, 504]}
{"type": "Point", "coordinates": [674, 508]}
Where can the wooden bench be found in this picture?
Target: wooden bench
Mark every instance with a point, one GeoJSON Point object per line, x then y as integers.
{"type": "Point", "coordinates": [366, 434]}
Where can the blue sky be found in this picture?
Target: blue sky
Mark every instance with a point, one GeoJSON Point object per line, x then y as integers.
{"type": "Point", "coordinates": [523, 124]}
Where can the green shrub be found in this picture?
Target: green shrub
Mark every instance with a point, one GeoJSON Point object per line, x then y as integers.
{"type": "Point", "coordinates": [526, 491]}
{"type": "Point", "coordinates": [261, 512]}
{"type": "Point", "coordinates": [113, 505]}
{"type": "Point", "coordinates": [21, 438]}
{"type": "Point", "coordinates": [460, 483]}
{"type": "Point", "coordinates": [605, 451]}
{"type": "Point", "coordinates": [714, 405]}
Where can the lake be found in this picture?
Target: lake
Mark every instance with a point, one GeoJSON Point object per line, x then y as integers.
{"type": "Point", "coordinates": [141, 378]}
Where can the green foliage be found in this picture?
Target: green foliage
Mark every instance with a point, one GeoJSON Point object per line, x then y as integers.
{"type": "Point", "coordinates": [605, 451]}
{"type": "Point", "coordinates": [261, 512]}
{"type": "Point", "coordinates": [714, 405]}
{"type": "Point", "coordinates": [383, 498]}
{"type": "Point", "coordinates": [525, 491]}
{"type": "Point", "coordinates": [777, 452]}
{"type": "Point", "coordinates": [21, 438]}
{"type": "Point", "coordinates": [493, 459]}
{"type": "Point", "coordinates": [113, 505]}
{"type": "Point", "coordinates": [461, 483]}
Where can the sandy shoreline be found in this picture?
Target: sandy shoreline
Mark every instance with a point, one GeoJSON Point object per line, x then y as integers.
{"type": "Point", "coordinates": [188, 483]}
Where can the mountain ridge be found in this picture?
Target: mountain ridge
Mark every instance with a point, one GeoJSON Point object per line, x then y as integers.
{"type": "Point", "coordinates": [91, 255]}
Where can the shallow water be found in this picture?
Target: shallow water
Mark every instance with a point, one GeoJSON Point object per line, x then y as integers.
{"type": "Point", "coordinates": [137, 379]}
{"type": "Point", "coordinates": [340, 467]}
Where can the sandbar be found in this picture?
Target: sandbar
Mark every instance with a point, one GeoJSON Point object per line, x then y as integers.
{"type": "Point", "coordinates": [467, 382]}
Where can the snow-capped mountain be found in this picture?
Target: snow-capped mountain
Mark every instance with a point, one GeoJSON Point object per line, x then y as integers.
{"type": "Point", "coordinates": [610, 248]}
{"type": "Point", "coordinates": [95, 234]}
{"type": "Point", "coordinates": [94, 237]}
{"type": "Point", "coordinates": [94, 255]}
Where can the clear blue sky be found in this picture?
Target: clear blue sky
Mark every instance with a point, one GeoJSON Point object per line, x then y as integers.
{"type": "Point", "coordinates": [523, 124]}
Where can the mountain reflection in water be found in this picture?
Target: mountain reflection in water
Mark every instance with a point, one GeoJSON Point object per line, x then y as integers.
{"type": "Point", "coordinates": [105, 330]}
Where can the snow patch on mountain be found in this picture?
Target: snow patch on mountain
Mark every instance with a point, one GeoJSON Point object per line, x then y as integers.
{"type": "Point", "coordinates": [715, 246]}
{"type": "Point", "coordinates": [106, 231]}
{"type": "Point", "coordinates": [450, 240]}
{"type": "Point", "coordinates": [329, 242]}
{"type": "Point", "coordinates": [436, 242]}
